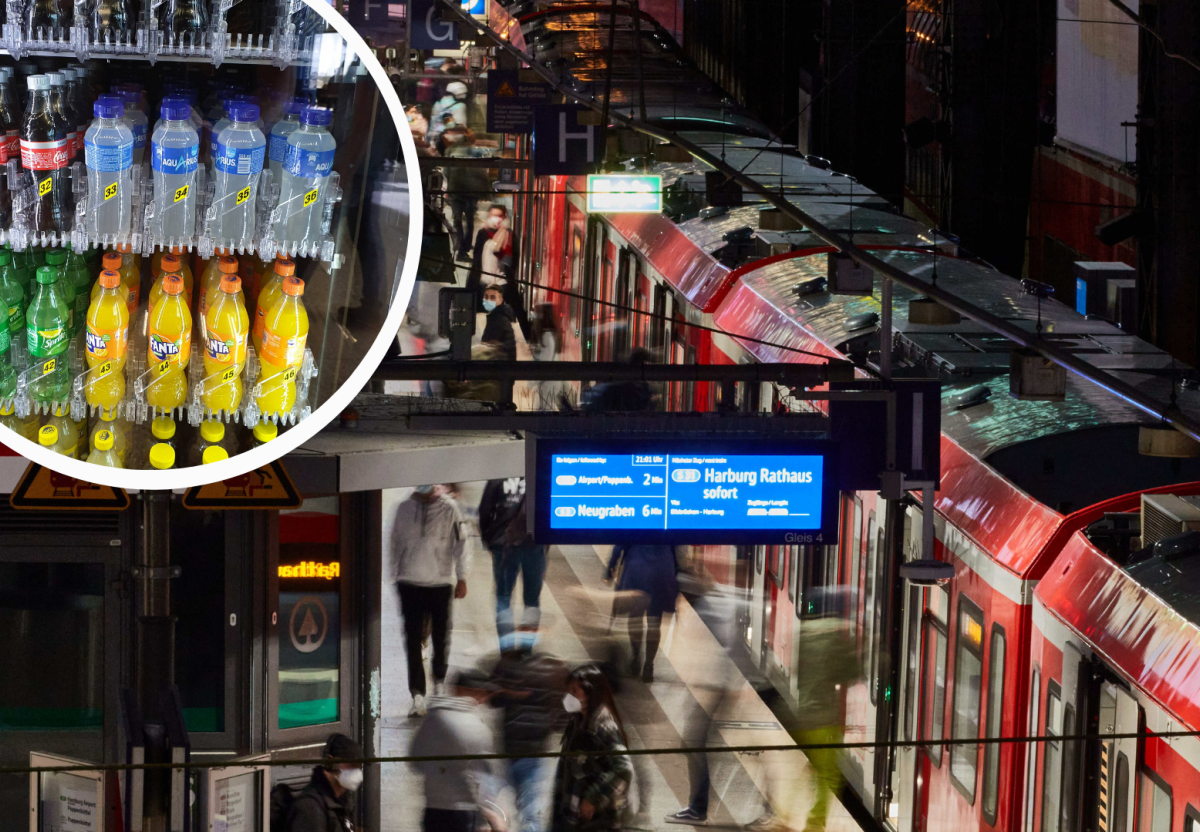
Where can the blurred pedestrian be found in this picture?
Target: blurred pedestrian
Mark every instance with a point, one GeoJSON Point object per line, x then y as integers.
{"type": "Point", "coordinates": [448, 111]}
{"type": "Point", "coordinates": [546, 346]}
{"type": "Point", "coordinates": [459, 792]}
{"type": "Point", "coordinates": [492, 262]}
{"type": "Point", "coordinates": [326, 804]}
{"type": "Point", "coordinates": [646, 584]}
{"type": "Point", "coordinates": [591, 790]}
{"type": "Point", "coordinates": [529, 688]}
{"type": "Point", "coordinates": [502, 527]}
{"type": "Point", "coordinates": [465, 186]}
{"type": "Point", "coordinates": [429, 565]}
{"type": "Point", "coordinates": [500, 320]}
{"type": "Point", "coordinates": [631, 396]}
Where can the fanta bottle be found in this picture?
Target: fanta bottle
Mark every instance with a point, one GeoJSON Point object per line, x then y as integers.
{"type": "Point", "coordinates": [131, 275]}
{"type": "Point", "coordinates": [184, 269]}
{"type": "Point", "coordinates": [57, 259]}
{"type": "Point", "coordinates": [102, 450]}
{"type": "Point", "coordinates": [264, 432]}
{"type": "Point", "coordinates": [212, 434]}
{"type": "Point", "coordinates": [112, 263]}
{"type": "Point", "coordinates": [162, 456]}
{"type": "Point", "coordinates": [66, 432]}
{"type": "Point", "coordinates": [119, 430]}
{"type": "Point", "coordinates": [268, 295]}
{"type": "Point", "coordinates": [214, 453]}
{"type": "Point", "coordinates": [218, 266]}
{"type": "Point", "coordinates": [171, 264]}
{"type": "Point", "coordinates": [107, 340]}
{"type": "Point", "coordinates": [284, 335]}
{"type": "Point", "coordinates": [225, 348]}
{"type": "Point", "coordinates": [170, 336]}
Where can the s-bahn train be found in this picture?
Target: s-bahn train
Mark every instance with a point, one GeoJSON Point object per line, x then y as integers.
{"type": "Point", "coordinates": [1072, 614]}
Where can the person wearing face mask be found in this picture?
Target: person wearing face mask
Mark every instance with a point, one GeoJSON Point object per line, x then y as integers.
{"type": "Point", "coordinates": [459, 792]}
{"type": "Point", "coordinates": [430, 561]}
{"type": "Point", "coordinates": [326, 804]}
{"type": "Point", "coordinates": [591, 791]}
{"type": "Point", "coordinates": [498, 332]}
{"type": "Point", "coordinates": [452, 104]}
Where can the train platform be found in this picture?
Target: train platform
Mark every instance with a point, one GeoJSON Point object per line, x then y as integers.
{"type": "Point", "coordinates": [576, 605]}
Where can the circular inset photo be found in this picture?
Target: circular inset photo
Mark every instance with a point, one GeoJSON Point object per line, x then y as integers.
{"type": "Point", "coordinates": [205, 233]}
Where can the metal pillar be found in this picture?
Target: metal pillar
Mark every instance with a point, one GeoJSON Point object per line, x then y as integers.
{"type": "Point", "coordinates": [155, 659]}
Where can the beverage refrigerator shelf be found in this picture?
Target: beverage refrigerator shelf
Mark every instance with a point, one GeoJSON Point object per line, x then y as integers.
{"type": "Point", "coordinates": [153, 236]}
{"type": "Point", "coordinates": [24, 231]}
{"type": "Point", "coordinates": [86, 235]}
{"type": "Point", "coordinates": [272, 215]}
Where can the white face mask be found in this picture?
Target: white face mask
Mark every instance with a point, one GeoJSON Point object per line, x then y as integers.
{"type": "Point", "coordinates": [350, 778]}
{"type": "Point", "coordinates": [493, 222]}
{"type": "Point", "coordinates": [572, 705]}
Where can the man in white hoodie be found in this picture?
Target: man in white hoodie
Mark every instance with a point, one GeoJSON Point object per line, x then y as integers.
{"type": "Point", "coordinates": [429, 565]}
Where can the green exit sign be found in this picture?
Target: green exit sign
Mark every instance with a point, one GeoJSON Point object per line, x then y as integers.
{"type": "Point", "coordinates": [610, 193]}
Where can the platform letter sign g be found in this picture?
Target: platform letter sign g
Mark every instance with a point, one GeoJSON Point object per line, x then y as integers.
{"type": "Point", "coordinates": [431, 32]}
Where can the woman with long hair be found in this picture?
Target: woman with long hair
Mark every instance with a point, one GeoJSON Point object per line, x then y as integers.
{"type": "Point", "coordinates": [591, 790]}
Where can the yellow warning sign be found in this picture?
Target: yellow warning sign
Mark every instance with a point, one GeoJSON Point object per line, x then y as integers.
{"type": "Point", "coordinates": [41, 489]}
{"type": "Point", "coordinates": [268, 487]}
{"type": "Point", "coordinates": [506, 91]}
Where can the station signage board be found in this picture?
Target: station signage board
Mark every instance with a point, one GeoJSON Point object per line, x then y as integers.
{"type": "Point", "coordinates": [673, 490]}
{"type": "Point", "coordinates": [624, 194]}
{"type": "Point", "coordinates": [512, 95]}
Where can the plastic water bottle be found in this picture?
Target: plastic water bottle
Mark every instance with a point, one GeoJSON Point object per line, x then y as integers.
{"type": "Point", "coordinates": [279, 135]}
{"type": "Point", "coordinates": [137, 121]}
{"type": "Point", "coordinates": [108, 152]}
{"type": "Point", "coordinates": [175, 155]}
{"type": "Point", "coordinates": [225, 119]}
{"type": "Point", "coordinates": [305, 177]}
{"type": "Point", "coordinates": [237, 164]}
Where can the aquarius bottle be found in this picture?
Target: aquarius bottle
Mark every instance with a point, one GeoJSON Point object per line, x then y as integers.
{"type": "Point", "coordinates": [47, 333]}
{"type": "Point", "coordinates": [237, 164]}
{"type": "Point", "coordinates": [284, 336]}
{"type": "Point", "coordinates": [108, 154]}
{"type": "Point", "coordinates": [170, 346]}
{"type": "Point", "coordinates": [277, 149]}
{"type": "Point", "coordinates": [107, 342]}
{"type": "Point", "coordinates": [225, 350]}
{"type": "Point", "coordinates": [306, 173]}
{"type": "Point", "coordinates": [174, 156]}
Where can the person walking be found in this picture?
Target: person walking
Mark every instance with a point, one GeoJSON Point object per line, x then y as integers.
{"type": "Point", "coordinates": [465, 186]}
{"type": "Point", "coordinates": [646, 587]}
{"type": "Point", "coordinates": [326, 803]}
{"type": "Point", "coordinates": [498, 331]}
{"type": "Point", "coordinates": [591, 790]}
{"type": "Point", "coordinates": [502, 527]}
{"type": "Point", "coordinates": [458, 792]}
{"type": "Point", "coordinates": [430, 562]}
{"type": "Point", "coordinates": [546, 346]}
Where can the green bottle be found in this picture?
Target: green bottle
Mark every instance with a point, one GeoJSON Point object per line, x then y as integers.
{"type": "Point", "coordinates": [12, 296]}
{"type": "Point", "coordinates": [8, 376]}
{"type": "Point", "coordinates": [56, 259]}
{"type": "Point", "coordinates": [47, 333]}
{"type": "Point", "coordinates": [80, 277]}
{"type": "Point", "coordinates": [25, 276]}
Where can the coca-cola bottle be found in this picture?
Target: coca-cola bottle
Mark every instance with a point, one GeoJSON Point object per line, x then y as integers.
{"type": "Point", "coordinates": [10, 142]}
{"type": "Point", "coordinates": [46, 155]}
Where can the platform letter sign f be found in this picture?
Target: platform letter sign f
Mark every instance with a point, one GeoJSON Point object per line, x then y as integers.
{"type": "Point", "coordinates": [586, 135]}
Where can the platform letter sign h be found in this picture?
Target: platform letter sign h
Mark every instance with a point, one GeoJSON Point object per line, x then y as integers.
{"type": "Point", "coordinates": [561, 145]}
{"type": "Point", "coordinates": [429, 31]}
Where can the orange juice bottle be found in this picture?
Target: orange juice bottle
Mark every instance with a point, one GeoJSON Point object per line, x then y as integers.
{"type": "Point", "coordinates": [170, 335]}
{"type": "Point", "coordinates": [112, 262]}
{"type": "Point", "coordinates": [107, 340]}
{"type": "Point", "coordinates": [210, 283]}
{"type": "Point", "coordinates": [268, 295]}
{"type": "Point", "coordinates": [131, 275]}
{"type": "Point", "coordinates": [284, 335]}
{"type": "Point", "coordinates": [225, 350]}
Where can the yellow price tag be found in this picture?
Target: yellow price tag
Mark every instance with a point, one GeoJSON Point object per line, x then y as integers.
{"type": "Point", "coordinates": [311, 197]}
{"type": "Point", "coordinates": [162, 366]}
{"type": "Point", "coordinates": [229, 375]}
{"type": "Point", "coordinates": [289, 375]}
{"type": "Point", "coordinates": [45, 185]}
{"type": "Point", "coordinates": [243, 195]}
{"type": "Point", "coordinates": [181, 193]}
{"type": "Point", "coordinates": [111, 190]}
{"type": "Point", "coordinates": [103, 369]}
{"type": "Point", "coordinates": [48, 366]}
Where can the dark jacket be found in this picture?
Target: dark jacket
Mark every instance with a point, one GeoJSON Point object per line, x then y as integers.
{"type": "Point", "coordinates": [531, 689]}
{"type": "Point", "coordinates": [648, 568]}
{"type": "Point", "coordinates": [498, 509]}
{"type": "Point", "coordinates": [619, 397]}
{"type": "Point", "coordinates": [499, 331]}
{"type": "Point", "coordinates": [315, 809]}
{"type": "Point", "coordinates": [602, 781]}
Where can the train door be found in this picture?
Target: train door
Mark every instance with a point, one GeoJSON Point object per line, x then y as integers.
{"type": "Point", "coordinates": [592, 277]}
{"type": "Point", "coordinates": [622, 335]}
{"type": "Point", "coordinates": [772, 581]}
{"type": "Point", "coordinates": [1072, 750]}
{"type": "Point", "coordinates": [899, 815]}
{"type": "Point", "coordinates": [756, 625]}
{"type": "Point", "coordinates": [932, 698]}
{"type": "Point", "coordinates": [1118, 759]}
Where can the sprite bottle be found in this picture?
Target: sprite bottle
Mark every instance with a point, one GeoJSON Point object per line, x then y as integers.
{"type": "Point", "coordinates": [12, 296]}
{"type": "Point", "coordinates": [47, 322]}
{"type": "Point", "coordinates": [8, 376]}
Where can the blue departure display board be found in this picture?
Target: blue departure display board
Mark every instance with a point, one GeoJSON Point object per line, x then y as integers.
{"type": "Point", "coordinates": [736, 491]}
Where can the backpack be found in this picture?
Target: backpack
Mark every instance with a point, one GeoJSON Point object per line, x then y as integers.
{"type": "Point", "coordinates": [282, 798]}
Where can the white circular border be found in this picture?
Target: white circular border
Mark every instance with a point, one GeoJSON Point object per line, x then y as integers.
{"type": "Point", "coordinates": [146, 480]}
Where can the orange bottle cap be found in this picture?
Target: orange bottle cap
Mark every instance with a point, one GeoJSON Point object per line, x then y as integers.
{"type": "Point", "coordinates": [285, 268]}
{"type": "Point", "coordinates": [172, 284]}
{"type": "Point", "coordinates": [231, 284]}
{"type": "Point", "coordinates": [228, 265]}
{"type": "Point", "coordinates": [111, 260]}
{"type": "Point", "coordinates": [176, 250]}
{"type": "Point", "coordinates": [109, 279]}
{"type": "Point", "coordinates": [293, 286]}
{"type": "Point", "coordinates": [170, 263]}
{"type": "Point", "coordinates": [124, 248]}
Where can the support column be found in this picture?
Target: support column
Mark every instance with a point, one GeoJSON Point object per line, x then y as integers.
{"type": "Point", "coordinates": [155, 658]}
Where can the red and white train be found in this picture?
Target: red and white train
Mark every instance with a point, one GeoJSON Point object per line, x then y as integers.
{"type": "Point", "coordinates": [1052, 626]}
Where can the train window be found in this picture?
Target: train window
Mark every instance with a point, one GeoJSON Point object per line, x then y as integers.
{"type": "Point", "coordinates": [968, 692]}
{"type": "Point", "coordinates": [576, 277]}
{"type": "Point", "coordinates": [758, 558]}
{"type": "Point", "coordinates": [793, 571]}
{"type": "Point", "coordinates": [1052, 760]}
{"type": "Point", "coordinates": [915, 604]}
{"type": "Point", "coordinates": [1035, 693]}
{"type": "Point", "coordinates": [876, 610]}
{"type": "Point", "coordinates": [1154, 805]}
{"type": "Point", "coordinates": [1120, 808]}
{"type": "Point", "coordinates": [1070, 776]}
{"type": "Point", "coordinates": [933, 684]}
{"type": "Point", "coordinates": [1191, 819]}
{"type": "Point", "coordinates": [855, 554]}
{"type": "Point", "coordinates": [869, 634]}
{"type": "Point", "coordinates": [658, 324]}
{"type": "Point", "coordinates": [995, 709]}
{"type": "Point", "coordinates": [775, 564]}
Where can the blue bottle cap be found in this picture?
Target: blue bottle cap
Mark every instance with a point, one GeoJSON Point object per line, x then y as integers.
{"type": "Point", "coordinates": [108, 106]}
{"type": "Point", "coordinates": [242, 111]}
{"type": "Point", "coordinates": [320, 116]}
{"type": "Point", "coordinates": [175, 109]}
{"type": "Point", "coordinates": [129, 96]}
{"type": "Point", "coordinates": [295, 106]}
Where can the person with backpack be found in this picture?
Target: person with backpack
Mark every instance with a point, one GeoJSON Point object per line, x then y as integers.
{"type": "Point", "coordinates": [502, 527]}
{"type": "Point", "coordinates": [327, 803]}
